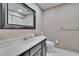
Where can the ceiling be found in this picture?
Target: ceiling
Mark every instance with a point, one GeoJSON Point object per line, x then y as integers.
{"type": "Point", "coordinates": [45, 6]}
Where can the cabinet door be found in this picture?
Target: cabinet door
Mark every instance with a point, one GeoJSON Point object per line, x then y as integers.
{"type": "Point", "coordinates": [35, 49]}
{"type": "Point", "coordinates": [35, 54]}
{"type": "Point", "coordinates": [44, 50]}
{"type": "Point", "coordinates": [39, 53]}
{"type": "Point", "coordinates": [25, 54]}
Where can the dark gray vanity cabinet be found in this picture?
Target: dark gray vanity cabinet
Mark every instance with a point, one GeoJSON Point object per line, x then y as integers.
{"type": "Point", "coordinates": [37, 50]}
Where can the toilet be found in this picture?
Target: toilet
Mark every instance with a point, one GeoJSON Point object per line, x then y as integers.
{"type": "Point", "coordinates": [50, 47]}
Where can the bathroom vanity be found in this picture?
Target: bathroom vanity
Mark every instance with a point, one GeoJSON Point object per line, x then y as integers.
{"type": "Point", "coordinates": [20, 16]}
{"type": "Point", "coordinates": [38, 50]}
{"type": "Point", "coordinates": [23, 46]}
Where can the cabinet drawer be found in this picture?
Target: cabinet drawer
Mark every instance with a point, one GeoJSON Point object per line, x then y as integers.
{"type": "Point", "coordinates": [35, 49]}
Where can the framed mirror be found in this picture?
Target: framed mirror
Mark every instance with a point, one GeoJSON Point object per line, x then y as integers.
{"type": "Point", "coordinates": [18, 16]}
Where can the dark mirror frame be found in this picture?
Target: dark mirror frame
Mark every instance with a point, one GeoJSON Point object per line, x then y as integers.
{"type": "Point", "coordinates": [23, 5]}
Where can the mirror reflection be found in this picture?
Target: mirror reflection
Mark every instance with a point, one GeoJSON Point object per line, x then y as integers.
{"type": "Point", "coordinates": [19, 16]}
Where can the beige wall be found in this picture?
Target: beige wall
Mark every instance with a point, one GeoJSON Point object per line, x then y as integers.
{"type": "Point", "coordinates": [61, 16]}
{"type": "Point", "coordinates": [13, 33]}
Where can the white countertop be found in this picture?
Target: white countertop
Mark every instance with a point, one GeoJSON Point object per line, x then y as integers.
{"type": "Point", "coordinates": [19, 47]}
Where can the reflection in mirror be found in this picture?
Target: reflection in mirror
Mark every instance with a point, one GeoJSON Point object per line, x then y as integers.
{"type": "Point", "coordinates": [19, 15]}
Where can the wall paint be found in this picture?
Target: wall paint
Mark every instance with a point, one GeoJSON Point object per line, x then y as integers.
{"type": "Point", "coordinates": [9, 33]}
{"type": "Point", "coordinates": [61, 16]}
{"type": "Point", "coordinates": [38, 16]}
